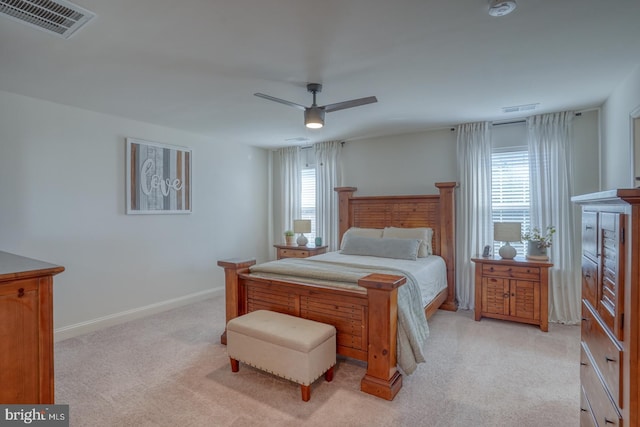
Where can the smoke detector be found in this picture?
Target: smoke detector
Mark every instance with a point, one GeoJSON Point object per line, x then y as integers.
{"type": "Point", "coordinates": [501, 7]}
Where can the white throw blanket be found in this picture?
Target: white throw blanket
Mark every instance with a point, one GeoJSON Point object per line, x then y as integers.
{"type": "Point", "coordinates": [412, 324]}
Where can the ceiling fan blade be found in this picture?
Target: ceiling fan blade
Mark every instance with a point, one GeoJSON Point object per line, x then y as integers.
{"type": "Point", "coordinates": [281, 101]}
{"type": "Point", "coordinates": [350, 104]}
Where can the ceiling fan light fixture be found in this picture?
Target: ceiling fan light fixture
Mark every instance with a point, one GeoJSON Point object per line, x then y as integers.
{"type": "Point", "coordinates": [501, 7]}
{"type": "Point", "coordinates": [314, 117]}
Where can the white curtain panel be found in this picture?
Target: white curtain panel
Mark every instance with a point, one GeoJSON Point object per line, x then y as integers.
{"type": "Point", "coordinates": [328, 176]}
{"type": "Point", "coordinates": [474, 204]}
{"type": "Point", "coordinates": [290, 177]}
{"type": "Point", "coordinates": [549, 139]}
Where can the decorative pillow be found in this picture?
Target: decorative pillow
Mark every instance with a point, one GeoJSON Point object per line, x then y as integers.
{"type": "Point", "coordinates": [424, 234]}
{"type": "Point", "coordinates": [385, 248]}
{"type": "Point", "coordinates": [363, 232]}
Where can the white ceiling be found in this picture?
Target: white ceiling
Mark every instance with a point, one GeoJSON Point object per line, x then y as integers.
{"type": "Point", "coordinates": [195, 64]}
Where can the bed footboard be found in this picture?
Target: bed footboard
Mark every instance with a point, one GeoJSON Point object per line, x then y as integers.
{"type": "Point", "coordinates": [366, 324]}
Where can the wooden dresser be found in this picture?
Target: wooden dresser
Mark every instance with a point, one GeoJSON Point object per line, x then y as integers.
{"type": "Point", "coordinates": [609, 360]}
{"type": "Point", "coordinates": [512, 289]}
{"type": "Point", "coordinates": [26, 330]}
{"type": "Point", "coordinates": [289, 251]}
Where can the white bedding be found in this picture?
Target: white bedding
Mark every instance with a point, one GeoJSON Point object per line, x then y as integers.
{"type": "Point", "coordinates": [430, 272]}
{"type": "Point", "coordinates": [343, 271]}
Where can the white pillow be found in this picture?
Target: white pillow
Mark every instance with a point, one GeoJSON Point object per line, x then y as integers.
{"type": "Point", "coordinates": [362, 232]}
{"type": "Point", "coordinates": [385, 248]}
{"type": "Point", "coordinates": [425, 235]}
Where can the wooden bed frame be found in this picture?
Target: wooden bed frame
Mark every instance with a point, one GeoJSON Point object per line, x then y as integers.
{"type": "Point", "coordinates": [366, 324]}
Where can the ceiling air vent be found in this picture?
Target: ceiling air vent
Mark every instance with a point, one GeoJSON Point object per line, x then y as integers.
{"type": "Point", "coordinates": [518, 108]}
{"type": "Point", "coordinates": [58, 17]}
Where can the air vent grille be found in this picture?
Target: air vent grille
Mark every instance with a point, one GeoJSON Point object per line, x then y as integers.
{"type": "Point", "coordinates": [58, 17]}
{"type": "Point", "coordinates": [518, 108]}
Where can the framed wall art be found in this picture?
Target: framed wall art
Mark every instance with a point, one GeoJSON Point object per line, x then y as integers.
{"type": "Point", "coordinates": [158, 178]}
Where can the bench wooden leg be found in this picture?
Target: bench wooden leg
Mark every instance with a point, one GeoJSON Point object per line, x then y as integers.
{"type": "Point", "coordinates": [306, 392]}
{"type": "Point", "coordinates": [235, 365]}
{"type": "Point", "coordinates": [328, 376]}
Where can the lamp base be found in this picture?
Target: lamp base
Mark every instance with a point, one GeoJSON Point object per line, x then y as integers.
{"type": "Point", "coordinates": [302, 240]}
{"type": "Point", "coordinates": [507, 251]}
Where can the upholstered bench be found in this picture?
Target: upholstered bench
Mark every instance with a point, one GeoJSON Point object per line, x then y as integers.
{"type": "Point", "coordinates": [290, 347]}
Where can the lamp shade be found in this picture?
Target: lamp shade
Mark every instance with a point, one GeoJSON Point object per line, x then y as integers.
{"type": "Point", "coordinates": [302, 226]}
{"type": "Point", "coordinates": [507, 231]}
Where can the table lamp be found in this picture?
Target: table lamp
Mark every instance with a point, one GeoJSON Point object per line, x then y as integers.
{"type": "Point", "coordinates": [302, 226]}
{"type": "Point", "coordinates": [507, 232]}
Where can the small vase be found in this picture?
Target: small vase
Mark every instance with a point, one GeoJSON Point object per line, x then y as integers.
{"type": "Point", "coordinates": [288, 240]}
{"type": "Point", "coordinates": [536, 252]}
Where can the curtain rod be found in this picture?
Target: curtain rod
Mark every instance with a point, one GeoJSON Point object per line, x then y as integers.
{"type": "Point", "coordinates": [578, 114]}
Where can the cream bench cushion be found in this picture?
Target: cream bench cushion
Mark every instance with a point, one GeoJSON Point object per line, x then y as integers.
{"type": "Point", "coordinates": [290, 347]}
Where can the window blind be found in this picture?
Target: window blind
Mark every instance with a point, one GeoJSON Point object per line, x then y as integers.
{"type": "Point", "coordinates": [510, 196]}
{"type": "Point", "coordinates": [308, 199]}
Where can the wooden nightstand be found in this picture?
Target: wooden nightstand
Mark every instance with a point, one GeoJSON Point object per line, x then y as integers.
{"type": "Point", "coordinates": [515, 289]}
{"type": "Point", "coordinates": [290, 251]}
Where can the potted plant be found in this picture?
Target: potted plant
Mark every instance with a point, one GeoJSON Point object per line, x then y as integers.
{"type": "Point", "coordinates": [288, 237]}
{"type": "Point", "coordinates": [537, 243]}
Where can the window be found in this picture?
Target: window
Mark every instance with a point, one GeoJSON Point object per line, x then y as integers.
{"type": "Point", "coordinates": [510, 197]}
{"type": "Point", "coordinates": [308, 199]}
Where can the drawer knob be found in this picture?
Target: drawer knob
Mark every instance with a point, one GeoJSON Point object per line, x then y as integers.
{"type": "Point", "coordinates": [491, 269]}
{"type": "Point", "coordinates": [588, 276]}
{"type": "Point", "coordinates": [20, 292]}
{"type": "Point", "coordinates": [609, 359]}
{"type": "Point", "coordinates": [588, 227]}
{"type": "Point", "coordinates": [583, 364]}
{"type": "Point", "coordinates": [608, 421]}
{"type": "Point", "coordinates": [505, 295]}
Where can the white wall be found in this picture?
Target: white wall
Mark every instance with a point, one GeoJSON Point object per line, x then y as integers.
{"type": "Point", "coordinates": [401, 164]}
{"type": "Point", "coordinates": [410, 164]}
{"type": "Point", "coordinates": [616, 146]}
{"type": "Point", "coordinates": [62, 201]}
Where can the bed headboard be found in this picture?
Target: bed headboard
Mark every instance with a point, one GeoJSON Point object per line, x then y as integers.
{"type": "Point", "coordinates": [434, 211]}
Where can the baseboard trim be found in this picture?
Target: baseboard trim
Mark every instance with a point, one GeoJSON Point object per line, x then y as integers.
{"type": "Point", "coordinates": [136, 313]}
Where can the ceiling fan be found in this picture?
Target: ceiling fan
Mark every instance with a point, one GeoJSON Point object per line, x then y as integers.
{"type": "Point", "coordinates": [314, 115]}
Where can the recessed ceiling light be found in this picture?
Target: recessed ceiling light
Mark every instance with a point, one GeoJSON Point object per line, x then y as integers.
{"type": "Point", "coordinates": [501, 7]}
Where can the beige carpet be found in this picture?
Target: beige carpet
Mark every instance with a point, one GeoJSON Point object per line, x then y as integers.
{"type": "Point", "coordinates": [170, 370]}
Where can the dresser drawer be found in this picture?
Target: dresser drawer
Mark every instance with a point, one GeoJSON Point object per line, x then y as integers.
{"type": "Point", "coordinates": [532, 273]}
{"type": "Point", "coordinates": [604, 410]}
{"type": "Point", "coordinates": [291, 253]}
{"type": "Point", "coordinates": [590, 281]}
{"type": "Point", "coordinates": [587, 418]}
{"type": "Point", "coordinates": [605, 350]}
{"type": "Point", "coordinates": [590, 234]}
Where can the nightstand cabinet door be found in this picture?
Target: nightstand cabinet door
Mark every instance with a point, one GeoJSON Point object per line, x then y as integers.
{"type": "Point", "coordinates": [525, 299]}
{"type": "Point", "coordinates": [495, 295]}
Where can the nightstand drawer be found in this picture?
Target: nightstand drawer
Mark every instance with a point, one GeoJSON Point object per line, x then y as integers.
{"type": "Point", "coordinates": [511, 271]}
{"type": "Point", "coordinates": [289, 253]}
{"type": "Point", "coordinates": [606, 352]}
